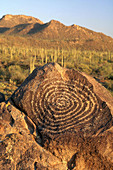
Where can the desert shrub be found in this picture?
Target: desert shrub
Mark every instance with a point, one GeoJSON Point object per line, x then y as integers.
{"type": "Point", "coordinates": [106, 70]}
{"type": "Point", "coordinates": [17, 74]}
{"type": "Point", "coordinates": [103, 70]}
{"type": "Point", "coordinates": [69, 65]}
{"type": "Point", "coordinates": [3, 73]}
{"type": "Point", "coordinates": [109, 85]}
{"type": "Point", "coordinates": [85, 68]}
{"type": "Point", "coordinates": [110, 76]}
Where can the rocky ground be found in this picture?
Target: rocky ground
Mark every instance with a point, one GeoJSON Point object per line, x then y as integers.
{"type": "Point", "coordinates": [57, 119]}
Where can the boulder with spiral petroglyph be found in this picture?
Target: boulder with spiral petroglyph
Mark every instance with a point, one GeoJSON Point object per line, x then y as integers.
{"type": "Point", "coordinates": [66, 107]}
{"type": "Point", "coordinates": [61, 119]}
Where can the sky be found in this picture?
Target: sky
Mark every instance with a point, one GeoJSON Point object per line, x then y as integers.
{"type": "Point", "coordinates": [96, 15]}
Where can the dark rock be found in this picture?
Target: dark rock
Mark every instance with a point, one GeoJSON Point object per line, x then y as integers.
{"type": "Point", "coordinates": [2, 97]}
{"type": "Point", "coordinates": [5, 114]}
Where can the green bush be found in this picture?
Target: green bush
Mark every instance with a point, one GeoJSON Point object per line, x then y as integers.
{"type": "Point", "coordinates": [110, 76]}
{"type": "Point", "coordinates": [110, 85]}
{"type": "Point", "coordinates": [69, 65]}
{"type": "Point", "coordinates": [17, 74]}
{"type": "Point", "coordinates": [3, 73]}
{"type": "Point", "coordinates": [85, 68]}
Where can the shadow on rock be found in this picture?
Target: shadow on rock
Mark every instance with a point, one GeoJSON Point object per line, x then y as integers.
{"type": "Point", "coordinates": [2, 97]}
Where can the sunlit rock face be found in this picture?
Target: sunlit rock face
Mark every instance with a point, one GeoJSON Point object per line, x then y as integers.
{"type": "Point", "coordinates": [63, 115]}
{"type": "Point", "coordinates": [59, 100]}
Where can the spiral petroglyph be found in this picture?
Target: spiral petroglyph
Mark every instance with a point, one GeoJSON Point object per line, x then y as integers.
{"type": "Point", "coordinates": [59, 106]}
{"type": "Point", "coordinates": [62, 102]}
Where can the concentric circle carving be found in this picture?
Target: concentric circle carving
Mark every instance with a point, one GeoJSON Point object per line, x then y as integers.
{"type": "Point", "coordinates": [60, 105]}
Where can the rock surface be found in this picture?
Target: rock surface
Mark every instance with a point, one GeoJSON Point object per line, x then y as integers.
{"type": "Point", "coordinates": [2, 97]}
{"type": "Point", "coordinates": [57, 119]}
{"type": "Point", "coordinates": [18, 143]}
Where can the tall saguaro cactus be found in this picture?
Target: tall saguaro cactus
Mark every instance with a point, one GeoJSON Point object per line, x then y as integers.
{"type": "Point", "coordinates": [62, 58]}
{"type": "Point", "coordinates": [32, 63]}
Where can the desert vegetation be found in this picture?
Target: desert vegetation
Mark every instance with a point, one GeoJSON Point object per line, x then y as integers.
{"type": "Point", "coordinates": [26, 43]}
{"type": "Point", "coordinates": [16, 63]}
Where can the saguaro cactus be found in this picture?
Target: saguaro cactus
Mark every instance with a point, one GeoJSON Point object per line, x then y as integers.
{"type": "Point", "coordinates": [32, 63]}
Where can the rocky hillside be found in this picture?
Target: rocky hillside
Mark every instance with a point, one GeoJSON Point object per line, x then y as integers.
{"type": "Point", "coordinates": [74, 35]}
{"type": "Point", "coordinates": [10, 21]}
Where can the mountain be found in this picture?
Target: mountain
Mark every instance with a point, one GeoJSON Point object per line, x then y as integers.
{"type": "Point", "coordinates": [13, 20]}
{"type": "Point", "coordinates": [74, 36]}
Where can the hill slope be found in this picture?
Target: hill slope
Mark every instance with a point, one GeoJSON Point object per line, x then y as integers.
{"type": "Point", "coordinates": [74, 35]}
{"type": "Point", "coordinates": [13, 20]}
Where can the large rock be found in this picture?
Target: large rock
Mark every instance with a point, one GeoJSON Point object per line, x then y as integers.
{"type": "Point", "coordinates": [65, 118]}
{"type": "Point", "coordinates": [18, 146]}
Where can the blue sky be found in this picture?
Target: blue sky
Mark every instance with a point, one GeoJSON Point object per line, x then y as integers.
{"type": "Point", "coordinates": [96, 15]}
